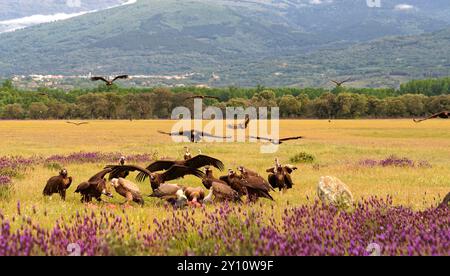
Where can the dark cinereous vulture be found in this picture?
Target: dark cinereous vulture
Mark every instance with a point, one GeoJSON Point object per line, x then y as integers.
{"type": "Point", "coordinates": [95, 187]}
{"type": "Point", "coordinates": [196, 162]}
{"type": "Point", "coordinates": [221, 190]}
{"type": "Point", "coordinates": [280, 176]}
{"type": "Point", "coordinates": [156, 179]}
{"type": "Point", "coordinates": [128, 190]}
{"type": "Point", "coordinates": [442, 115]}
{"type": "Point", "coordinates": [340, 83]}
{"type": "Point", "coordinates": [58, 184]}
{"type": "Point", "coordinates": [109, 82]}
{"type": "Point", "coordinates": [256, 185]}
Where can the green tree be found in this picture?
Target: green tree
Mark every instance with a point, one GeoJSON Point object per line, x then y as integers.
{"type": "Point", "coordinates": [37, 111]}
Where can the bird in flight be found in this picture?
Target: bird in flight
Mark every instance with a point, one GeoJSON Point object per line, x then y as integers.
{"type": "Point", "coordinates": [193, 135]}
{"type": "Point", "coordinates": [277, 141]}
{"type": "Point", "coordinates": [340, 83]}
{"type": "Point", "coordinates": [109, 82]}
{"type": "Point", "coordinates": [241, 125]}
{"type": "Point", "coordinates": [78, 123]}
{"type": "Point", "coordinates": [442, 115]}
{"type": "Point", "coordinates": [202, 97]}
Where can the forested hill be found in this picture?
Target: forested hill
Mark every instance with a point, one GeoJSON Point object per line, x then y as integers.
{"type": "Point", "coordinates": [416, 98]}
{"type": "Point", "coordinates": [274, 43]}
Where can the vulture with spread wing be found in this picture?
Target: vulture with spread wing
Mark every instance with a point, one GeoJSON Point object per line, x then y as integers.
{"type": "Point", "coordinates": [280, 176]}
{"type": "Point", "coordinates": [340, 83]}
{"type": "Point", "coordinates": [275, 141]}
{"type": "Point", "coordinates": [194, 136]}
{"type": "Point", "coordinates": [156, 179]}
{"type": "Point", "coordinates": [95, 187]}
{"type": "Point", "coordinates": [442, 115]}
{"type": "Point", "coordinates": [109, 82]}
{"type": "Point", "coordinates": [196, 162]}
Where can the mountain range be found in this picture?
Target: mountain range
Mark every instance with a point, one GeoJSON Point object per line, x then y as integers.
{"type": "Point", "coordinates": [269, 42]}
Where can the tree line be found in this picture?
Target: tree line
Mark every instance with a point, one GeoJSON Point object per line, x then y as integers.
{"type": "Point", "coordinates": [158, 103]}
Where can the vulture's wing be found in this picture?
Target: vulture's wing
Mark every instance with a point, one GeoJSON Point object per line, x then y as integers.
{"type": "Point", "coordinates": [288, 181]}
{"type": "Point", "coordinates": [261, 138]}
{"type": "Point", "coordinates": [273, 180]}
{"type": "Point", "coordinates": [83, 186]}
{"type": "Point", "coordinates": [225, 191]}
{"type": "Point", "coordinates": [225, 179]}
{"type": "Point", "coordinates": [176, 172]}
{"type": "Point", "coordinates": [120, 169]}
{"type": "Point", "coordinates": [205, 134]}
{"type": "Point", "coordinates": [271, 170]}
{"type": "Point", "coordinates": [290, 168]}
{"type": "Point", "coordinates": [99, 79]}
{"type": "Point", "coordinates": [100, 175]}
{"type": "Point", "coordinates": [203, 160]}
{"type": "Point", "coordinates": [120, 77]}
{"type": "Point", "coordinates": [291, 138]}
{"type": "Point", "coordinates": [161, 165]}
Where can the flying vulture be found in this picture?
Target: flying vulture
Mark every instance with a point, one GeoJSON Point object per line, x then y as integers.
{"type": "Point", "coordinates": [128, 190]}
{"type": "Point", "coordinates": [58, 184]}
{"type": "Point", "coordinates": [202, 97]}
{"type": "Point", "coordinates": [78, 123]}
{"type": "Point", "coordinates": [95, 187]}
{"type": "Point", "coordinates": [193, 135]}
{"type": "Point", "coordinates": [442, 115]}
{"type": "Point", "coordinates": [275, 141]}
{"type": "Point", "coordinates": [340, 83]}
{"type": "Point", "coordinates": [241, 125]}
{"type": "Point", "coordinates": [109, 82]}
{"type": "Point", "coordinates": [280, 176]}
{"type": "Point", "coordinates": [156, 179]}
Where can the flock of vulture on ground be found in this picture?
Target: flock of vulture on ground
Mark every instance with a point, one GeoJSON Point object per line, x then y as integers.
{"type": "Point", "coordinates": [231, 187]}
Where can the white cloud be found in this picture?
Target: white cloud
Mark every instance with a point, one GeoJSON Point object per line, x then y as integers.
{"type": "Point", "coordinates": [404, 7]}
{"type": "Point", "coordinates": [23, 22]}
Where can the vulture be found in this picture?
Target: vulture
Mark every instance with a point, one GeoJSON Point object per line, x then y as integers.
{"type": "Point", "coordinates": [221, 190]}
{"type": "Point", "coordinates": [280, 176]}
{"type": "Point", "coordinates": [442, 115]}
{"type": "Point", "coordinates": [242, 125]}
{"type": "Point", "coordinates": [446, 201]}
{"type": "Point", "coordinates": [109, 82]}
{"type": "Point", "coordinates": [340, 83]}
{"type": "Point", "coordinates": [195, 196]}
{"type": "Point", "coordinates": [196, 162]}
{"type": "Point", "coordinates": [58, 184]}
{"type": "Point", "coordinates": [128, 190]}
{"type": "Point", "coordinates": [202, 97]}
{"type": "Point", "coordinates": [193, 135]}
{"type": "Point", "coordinates": [187, 154]}
{"type": "Point", "coordinates": [252, 186]}
{"type": "Point", "coordinates": [95, 187]}
{"type": "Point", "coordinates": [172, 193]}
{"type": "Point", "coordinates": [77, 123]}
{"type": "Point", "coordinates": [275, 141]}
{"type": "Point", "coordinates": [156, 179]}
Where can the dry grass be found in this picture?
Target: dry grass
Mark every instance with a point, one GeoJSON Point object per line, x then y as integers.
{"type": "Point", "coordinates": [337, 146]}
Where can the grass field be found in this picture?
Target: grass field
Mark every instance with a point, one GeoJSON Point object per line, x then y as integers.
{"type": "Point", "coordinates": [338, 148]}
